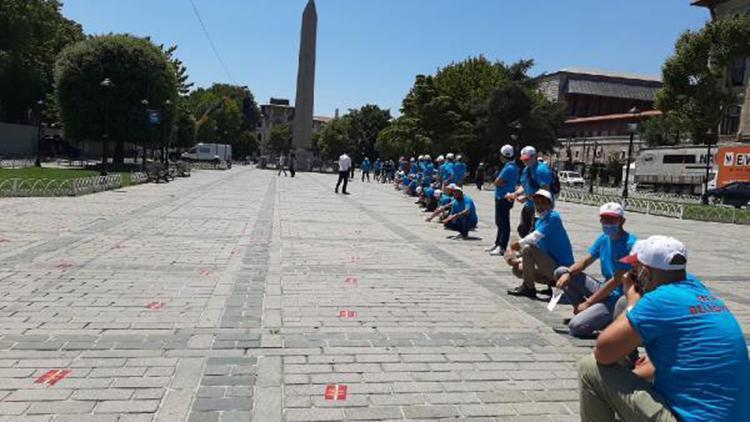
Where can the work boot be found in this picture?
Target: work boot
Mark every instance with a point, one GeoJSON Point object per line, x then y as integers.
{"type": "Point", "coordinates": [522, 290]}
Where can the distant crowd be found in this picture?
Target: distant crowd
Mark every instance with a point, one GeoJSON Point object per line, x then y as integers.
{"type": "Point", "coordinates": [695, 366]}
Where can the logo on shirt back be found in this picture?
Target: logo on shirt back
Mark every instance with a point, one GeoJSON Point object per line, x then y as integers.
{"type": "Point", "coordinates": [708, 305]}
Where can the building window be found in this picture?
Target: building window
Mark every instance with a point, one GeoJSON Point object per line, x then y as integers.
{"type": "Point", "coordinates": [678, 159]}
{"type": "Point", "coordinates": [737, 72]}
{"type": "Point", "coordinates": [731, 123]}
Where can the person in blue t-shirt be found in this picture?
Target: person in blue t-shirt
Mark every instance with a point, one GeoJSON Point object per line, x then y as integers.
{"type": "Point", "coordinates": [445, 204]}
{"type": "Point", "coordinates": [463, 213]}
{"type": "Point", "coordinates": [365, 169]}
{"type": "Point", "coordinates": [377, 168]}
{"type": "Point", "coordinates": [459, 171]}
{"type": "Point", "coordinates": [597, 304]}
{"type": "Point", "coordinates": [544, 250]}
{"type": "Point", "coordinates": [697, 368]}
{"type": "Point", "coordinates": [505, 183]}
{"type": "Point", "coordinates": [448, 175]}
{"type": "Point", "coordinates": [535, 175]}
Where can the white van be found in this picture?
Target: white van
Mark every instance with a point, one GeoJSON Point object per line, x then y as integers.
{"type": "Point", "coordinates": [209, 152]}
{"type": "Point", "coordinates": [571, 178]}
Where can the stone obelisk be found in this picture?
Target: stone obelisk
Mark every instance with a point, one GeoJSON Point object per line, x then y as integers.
{"type": "Point", "coordinates": [304, 101]}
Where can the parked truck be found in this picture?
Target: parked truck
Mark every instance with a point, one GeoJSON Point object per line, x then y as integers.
{"type": "Point", "coordinates": [209, 153]}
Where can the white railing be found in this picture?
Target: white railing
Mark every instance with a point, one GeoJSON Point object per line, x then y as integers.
{"type": "Point", "coordinates": [137, 177]}
{"type": "Point", "coordinates": [208, 165]}
{"type": "Point", "coordinates": [663, 196]}
{"type": "Point", "coordinates": [16, 163]}
{"type": "Point", "coordinates": [59, 187]}
{"type": "Point", "coordinates": [641, 205]}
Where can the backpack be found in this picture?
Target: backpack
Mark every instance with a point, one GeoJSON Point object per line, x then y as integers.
{"type": "Point", "coordinates": [555, 187]}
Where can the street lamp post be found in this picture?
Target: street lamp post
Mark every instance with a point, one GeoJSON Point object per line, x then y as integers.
{"type": "Point", "coordinates": [632, 127]}
{"type": "Point", "coordinates": [594, 169]}
{"type": "Point", "coordinates": [168, 133]}
{"type": "Point", "coordinates": [106, 84]}
{"type": "Point", "coordinates": [38, 162]}
{"type": "Point", "coordinates": [704, 197]}
{"type": "Point", "coordinates": [144, 102]}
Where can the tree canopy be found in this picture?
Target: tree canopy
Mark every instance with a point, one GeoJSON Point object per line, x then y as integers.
{"type": "Point", "coordinates": [32, 33]}
{"type": "Point", "coordinates": [695, 95]}
{"type": "Point", "coordinates": [138, 70]}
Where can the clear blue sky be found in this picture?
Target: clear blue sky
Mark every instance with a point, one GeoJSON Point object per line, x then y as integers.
{"type": "Point", "coordinates": [370, 50]}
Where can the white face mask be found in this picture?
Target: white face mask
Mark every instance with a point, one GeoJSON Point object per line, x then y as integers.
{"type": "Point", "coordinates": [541, 214]}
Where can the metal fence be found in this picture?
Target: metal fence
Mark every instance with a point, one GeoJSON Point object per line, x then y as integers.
{"type": "Point", "coordinates": [59, 187]}
{"type": "Point", "coordinates": [137, 177]}
{"type": "Point", "coordinates": [658, 196]}
{"type": "Point", "coordinates": [681, 210]}
{"type": "Point", "coordinates": [16, 163]}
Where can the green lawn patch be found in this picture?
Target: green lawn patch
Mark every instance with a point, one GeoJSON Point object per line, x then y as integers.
{"type": "Point", "coordinates": [53, 174]}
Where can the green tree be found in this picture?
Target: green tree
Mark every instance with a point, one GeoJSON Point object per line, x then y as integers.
{"type": "Point", "coordinates": [335, 139]}
{"type": "Point", "coordinates": [694, 77]}
{"type": "Point", "coordinates": [138, 70]}
{"type": "Point", "coordinates": [32, 33]}
{"type": "Point", "coordinates": [402, 138]}
{"type": "Point", "coordinates": [365, 124]}
{"type": "Point", "coordinates": [280, 140]}
{"type": "Point", "coordinates": [663, 130]}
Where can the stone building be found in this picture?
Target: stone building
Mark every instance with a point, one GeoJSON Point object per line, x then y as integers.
{"type": "Point", "coordinates": [736, 123]}
{"type": "Point", "coordinates": [597, 130]}
{"type": "Point", "coordinates": [278, 112]}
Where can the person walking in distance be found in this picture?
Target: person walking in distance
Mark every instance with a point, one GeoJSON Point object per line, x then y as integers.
{"type": "Point", "coordinates": [292, 163]}
{"type": "Point", "coordinates": [282, 160]}
{"type": "Point", "coordinates": [345, 165]}
{"type": "Point", "coordinates": [366, 169]}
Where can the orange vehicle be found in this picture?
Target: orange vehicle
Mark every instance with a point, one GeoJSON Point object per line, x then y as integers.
{"type": "Point", "coordinates": [734, 165]}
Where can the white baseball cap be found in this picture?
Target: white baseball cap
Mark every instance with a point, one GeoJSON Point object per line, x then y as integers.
{"type": "Point", "coordinates": [438, 193]}
{"type": "Point", "coordinates": [658, 252]}
{"type": "Point", "coordinates": [612, 209]}
{"type": "Point", "coordinates": [427, 157]}
{"type": "Point", "coordinates": [453, 186]}
{"type": "Point", "coordinates": [458, 189]}
{"type": "Point", "coordinates": [419, 189]}
{"type": "Point", "coordinates": [441, 158]}
{"type": "Point", "coordinates": [544, 193]}
{"type": "Point", "coordinates": [507, 151]}
{"type": "Point", "coordinates": [449, 156]}
{"type": "Point", "coordinates": [528, 152]}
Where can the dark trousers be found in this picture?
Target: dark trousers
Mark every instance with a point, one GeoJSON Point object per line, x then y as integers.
{"type": "Point", "coordinates": [527, 221]}
{"type": "Point", "coordinates": [502, 221]}
{"type": "Point", "coordinates": [365, 173]}
{"type": "Point", "coordinates": [343, 177]}
{"type": "Point", "coordinates": [461, 225]}
{"type": "Point", "coordinates": [291, 170]}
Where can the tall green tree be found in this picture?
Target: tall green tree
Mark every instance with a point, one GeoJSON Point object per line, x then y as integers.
{"type": "Point", "coordinates": [32, 33]}
{"type": "Point", "coordinates": [280, 140]}
{"type": "Point", "coordinates": [138, 70]}
{"type": "Point", "coordinates": [694, 77]}
{"type": "Point", "coordinates": [335, 139]}
{"type": "Point", "coordinates": [365, 124]}
{"type": "Point", "coordinates": [402, 138]}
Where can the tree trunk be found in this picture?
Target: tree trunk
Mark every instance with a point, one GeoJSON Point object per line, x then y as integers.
{"type": "Point", "coordinates": [118, 156]}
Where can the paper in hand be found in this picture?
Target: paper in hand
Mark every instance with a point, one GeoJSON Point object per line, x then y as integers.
{"type": "Point", "coordinates": [556, 295]}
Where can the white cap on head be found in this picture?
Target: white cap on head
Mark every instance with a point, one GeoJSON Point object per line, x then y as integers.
{"type": "Point", "coordinates": [459, 157]}
{"type": "Point", "coordinates": [449, 156]}
{"type": "Point", "coordinates": [421, 157]}
{"type": "Point", "coordinates": [453, 186]}
{"type": "Point", "coordinates": [612, 209]}
{"type": "Point", "coordinates": [458, 189]}
{"type": "Point", "coordinates": [427, 157]}
{"type": "Point", "coordinates": [658, 252]}
{"type": "Point", "coordinates": [528, 152]}
{"type": "Point", "coordinates": [507, 151]}
{"type": "Point", "coordinates": [544, 193]}
{"type": "Point", "coordinates": [440, 158]}
{"type": "Point", "coordinates": [438, 193]}
{"type": "Point", "coordinates": [419, 189]}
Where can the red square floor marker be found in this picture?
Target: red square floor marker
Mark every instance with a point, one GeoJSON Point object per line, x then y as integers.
{"type": "Point", "coordinates": [351, 280]}
{"type": "Point", "coordinates": [205, 272]}
{"type": "Point", "coordinates": [52, 377]}
{"type": "Point", "coordinates": [347, 314]}
{"type": "Point", "coordinates": [235, 251]}
{"type": "Point", "coordinates": [117, 246]}
{"type": "Point", "coordinates": [64, 265]}
{"type": "Point", "coordinates": [335, 392]}
{"type": "Point", "coordinates": [356, 259]}
{"type": "Point", "coordinates": [155, 305]}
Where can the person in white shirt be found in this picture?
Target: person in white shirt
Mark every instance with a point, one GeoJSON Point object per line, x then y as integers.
{"type": "Point", "coordinates": [345, 164]}
{"type": "Point", "coordinates": [282, 162]}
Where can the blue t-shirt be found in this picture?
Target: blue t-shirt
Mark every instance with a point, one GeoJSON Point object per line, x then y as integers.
{"type": "Point", "coordinates": [609, 252]}
{"type": "Point", "coordinates": [459, 172]}
{"type": "Point", "coordinates": [429, 192]}
{"type": "Point", "coordinates": [445, 200]}
{"type": "Point", "coordinates": [698, 350]}
{"type": "Point", "coordinates": [429, 173]}
{"type": "Point", "coordinates": [413, 168]}
{"type": "Point", "coordinates": [366, 165]}
{"type": "Point", "coordinates": [541, 174]}
{"type": "Point", "coordinates": [378, 165]}
{"type": "Point", "coordinates": [509, 174]}
{"type": "Point", "coordinates": [447, 172]}
{"type": "Point", "coordinates": [555, 242]}
{"type": "Point", "coordinates": [461, 205]}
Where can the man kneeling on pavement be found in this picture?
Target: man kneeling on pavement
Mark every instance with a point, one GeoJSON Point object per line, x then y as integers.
{"type": "Point", "coordinates": [697, 367]}
{"type": "Point", "coordinates": [597, 304]}
{"type": "Point", "coordinates": [463, 213]}
{"type": "Point", "coordinates": [542, 251]}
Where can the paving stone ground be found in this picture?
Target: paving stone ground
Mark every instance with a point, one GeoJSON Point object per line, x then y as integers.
{"type": "Point", "coordinates": [240, 295]}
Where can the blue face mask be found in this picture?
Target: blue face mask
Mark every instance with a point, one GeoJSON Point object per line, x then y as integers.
{"type": "Point", "coordinates": [611, 230]}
